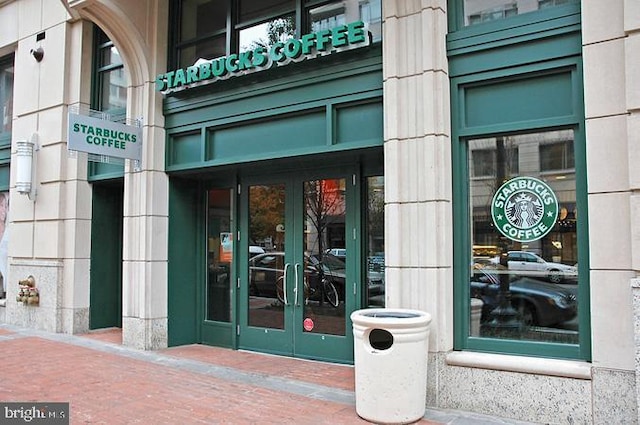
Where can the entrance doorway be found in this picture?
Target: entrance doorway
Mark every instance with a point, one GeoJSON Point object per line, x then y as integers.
{"type": "Point", "coordinates": [295, 296]}
{"type": "Point", "coordinates": [105, 294]}
{"type": "Point", "coordinates": [279, 260]}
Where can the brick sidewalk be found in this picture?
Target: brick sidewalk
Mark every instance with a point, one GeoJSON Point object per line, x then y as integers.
{"type": "Point", "coordinates": [106, 383]}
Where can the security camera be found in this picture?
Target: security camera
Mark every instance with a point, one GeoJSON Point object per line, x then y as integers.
{"type": "Point", "coordinates": [37, 53]}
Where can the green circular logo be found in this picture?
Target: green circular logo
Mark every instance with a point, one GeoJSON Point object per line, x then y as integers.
{"type": "Point", "coordinates": [524, 209]}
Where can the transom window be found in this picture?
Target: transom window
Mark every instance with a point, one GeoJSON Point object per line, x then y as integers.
{"type": "Point", "coordinates": [479, 11]}
{"type": "Point", "coordinates": [210, 29]}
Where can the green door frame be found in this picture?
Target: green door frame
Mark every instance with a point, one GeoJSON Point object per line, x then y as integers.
{"type": "Point", "coordinates": [293, 340]}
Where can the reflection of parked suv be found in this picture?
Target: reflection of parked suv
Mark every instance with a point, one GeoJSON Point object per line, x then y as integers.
{"type": "Point", "coordinates": [528, 263]}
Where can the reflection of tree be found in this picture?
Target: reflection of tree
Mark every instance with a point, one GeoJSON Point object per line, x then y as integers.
{"type": "Point", "coordinates": [266, 211]}
{"type": "Point", "coordinates": [278, 30]}
{"type": "Point", "coordinates": [323, 203]}
{"type": "Point", "coordinates": [496, 158]}
{"type": "Point", "coordinates": [375, 219]}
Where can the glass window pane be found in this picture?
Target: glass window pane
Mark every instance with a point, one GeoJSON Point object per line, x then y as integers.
{"type": "Point", "coordinates": [479, 11]}
{"type": "Point", "coordinates": [110, 56]}
{"type": "Point", "coordinates": [202, 17]}
{"type": "Point", "coordinates": [325, 209]}
{"type": "Point", "coordinates": [220, 254]}
{"type": "Point", "coordinates": [209, 49]}
{"type": "Point", "coordinates": [343, 12]}
{"type": "Point", "coordinates": [375, 242]}
{"type": "Point", "coordinates": [266, 266]}
{"type": "Point", "coordinates": [6, 97]}
{"type": "Point", "coordinates": [523, 276]}
{"type": "Point", "coordinates": [253, 10]}
{"type": "Point", "coordinates": [114, 89]}
{"type": "Point", "coordinates": [268, 33]}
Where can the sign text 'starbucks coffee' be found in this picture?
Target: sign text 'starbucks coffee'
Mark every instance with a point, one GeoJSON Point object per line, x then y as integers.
{"type": "Point", "coordinates": [102, 137]}
{"type": "Point", "coordinates": [524, 209]}
{"type": "Point", "coordinates": [293, 50]}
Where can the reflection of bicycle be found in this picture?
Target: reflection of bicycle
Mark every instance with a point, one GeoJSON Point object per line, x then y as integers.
{"type": "Point", "coordinates": [324, 291]}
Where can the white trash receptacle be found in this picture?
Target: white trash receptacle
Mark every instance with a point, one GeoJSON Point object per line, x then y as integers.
{"type": "Point", "coordinates": [390, 358]}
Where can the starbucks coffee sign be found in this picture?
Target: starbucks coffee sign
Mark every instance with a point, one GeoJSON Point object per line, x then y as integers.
{"type": "Point", "coordinates": [319, 43]}
{"type": "Point", "coordinates": [524, 209]}
{"type": "Point", "coordinates": [103, 137]}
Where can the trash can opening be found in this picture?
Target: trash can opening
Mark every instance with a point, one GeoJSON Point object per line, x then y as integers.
{"type": "Point", "coordinates": [380, 339]}
{"type": "Point", "coordinates": [391, 314]}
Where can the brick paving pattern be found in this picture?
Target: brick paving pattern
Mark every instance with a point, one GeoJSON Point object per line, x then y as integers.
{"type": "Point", "coordinates": [106, 383]}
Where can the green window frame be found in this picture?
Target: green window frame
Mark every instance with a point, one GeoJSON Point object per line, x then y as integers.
{"type": "Point", "coordinates": [493, 66]}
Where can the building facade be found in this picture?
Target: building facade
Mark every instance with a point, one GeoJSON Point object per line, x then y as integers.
{"type": "Point", "coordinates": [297, 160]}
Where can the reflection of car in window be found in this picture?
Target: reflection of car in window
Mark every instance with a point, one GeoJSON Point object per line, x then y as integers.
{"type": "Point", "coordinates": [255, 250]}
{"type": "Point", "coordinates": [338, 252]}
{"type": "Point", "coordinates": [265, 271]}
{"type": "Point", "coordinates": [537, 303]}
{"type": "Point", "coordinates": [529, 264]}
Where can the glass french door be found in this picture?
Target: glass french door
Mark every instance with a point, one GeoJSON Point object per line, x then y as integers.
{"type": "Point", "coordinates": [295, 295]}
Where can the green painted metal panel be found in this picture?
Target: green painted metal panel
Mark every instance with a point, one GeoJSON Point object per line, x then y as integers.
{"type": "Point", "coordinates": [218, 334]}
{"type": "Point", "coordinates": [5, 160]}
{"type": "Point", "coordinates": [295, 84]}
{"type": "Point", "coordinates": [105, 294]}
{"type": "Point", "coordinates": [518, 100]}
{"type": "Point", "coordinates": [229, 123]}
{"type": "Point", "coordinates": [186, 261]}
{"type": "Point", "coordinates": [185, 148]}
{"type": "Point", "coordinates": [4, 177]}
{"type": "Point", "coordinates": [360, 123]}
{"type": "Point", "coordinates": [104, 171]}
{"type": "Point", "coordinates": [538, 50]}
{"type": "Point", "coordinates": [265, 137]}
{"type": "Point", "coordinates": [300, 95]}
{"type": "Point", "coordinates": [5, 151]}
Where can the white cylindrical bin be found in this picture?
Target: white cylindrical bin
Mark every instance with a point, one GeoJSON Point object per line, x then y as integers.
{"type": "Point", "coordinates": [476, 315]}
{"type": "Point", "coordinates": [390, 357]}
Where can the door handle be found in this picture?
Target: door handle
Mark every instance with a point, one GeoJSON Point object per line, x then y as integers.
{"type": "Point", "coordinates": [295, 288]}
{"type": "Point", "coordinates": [284, 284]}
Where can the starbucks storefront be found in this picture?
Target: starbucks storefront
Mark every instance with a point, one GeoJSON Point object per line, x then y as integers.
{"type": "Point", "coordinates": [272, 172]}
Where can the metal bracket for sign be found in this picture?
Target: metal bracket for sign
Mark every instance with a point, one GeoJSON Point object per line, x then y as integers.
{"type": "Point", "coordinates": [119, 118]}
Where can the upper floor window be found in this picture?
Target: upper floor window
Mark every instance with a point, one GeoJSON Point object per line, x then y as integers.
{"type": "Point", "coordinates": [557, 156]}
{"type": "Point", "coordinates": [6, 96]}
{"type": "Point", "coordinates": [110, 80]}
{"type": "Point", "coordinates": [479, 11]}
{"type": "Point", "coordinates": [210, 29]}
{"type": "Point", "coordinates": [485, 158]}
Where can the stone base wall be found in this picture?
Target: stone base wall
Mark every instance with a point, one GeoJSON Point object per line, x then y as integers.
{"type": "Point", "coordinates": [144, 334]}
{"type": "Point", "coordinates": [608, 396]}
{"type": "Point", "coordinates": [48, 280]}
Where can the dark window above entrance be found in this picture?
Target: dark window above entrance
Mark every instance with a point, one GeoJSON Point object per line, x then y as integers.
{"type": "Point", "coordinates": [209, 29]}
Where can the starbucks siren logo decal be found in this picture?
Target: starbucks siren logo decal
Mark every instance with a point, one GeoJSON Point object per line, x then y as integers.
{"type": "Point", "coordinates": [524, 209]}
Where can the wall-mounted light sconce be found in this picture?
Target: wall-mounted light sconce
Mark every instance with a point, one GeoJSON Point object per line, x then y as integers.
{"type": "Point", "coordinates": [25, 166]}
